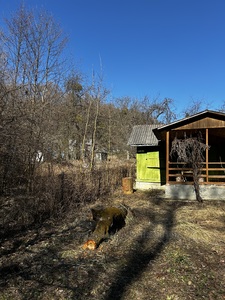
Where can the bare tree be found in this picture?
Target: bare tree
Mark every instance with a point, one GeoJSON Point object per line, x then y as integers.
{"type": "Point", "coordinates": [84, 140]}
{"type": "Point", "coordinates": [193, 108]}
{"type": "Point", "coordinates": [33, 45]}
{"type": "Point", "coordinates": [99, 93]}
{"type": "Point", "coordinates": [157, 111]}
{"type": "Point", "coordinates": [191, 152]}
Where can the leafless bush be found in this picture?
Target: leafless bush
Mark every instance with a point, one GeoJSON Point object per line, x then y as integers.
{"type": "Point", "coordinates": [191, 152]}
{"type": "Point", "coordinates": [57, 195]}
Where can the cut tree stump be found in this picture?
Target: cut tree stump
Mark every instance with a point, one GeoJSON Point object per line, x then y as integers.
{"type": "Point", "coordinates": [127, 185]}
{"type": "Point", "coordinates": [108, 221]}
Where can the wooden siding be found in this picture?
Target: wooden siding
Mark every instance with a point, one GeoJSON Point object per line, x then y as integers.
{"type": "Point", "coordinates": [204, 123]}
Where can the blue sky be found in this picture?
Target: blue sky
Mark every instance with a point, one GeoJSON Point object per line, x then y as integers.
{"type": "Point", "coordinates": [158, 48]}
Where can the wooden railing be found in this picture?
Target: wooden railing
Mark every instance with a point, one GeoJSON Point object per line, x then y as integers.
{"type": "Point", "coordinates": [213, 172]}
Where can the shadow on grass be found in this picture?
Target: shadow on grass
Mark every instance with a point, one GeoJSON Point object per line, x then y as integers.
{"type": "Point", "coordinates": [43, 271]}
{"type": "Point", "coordinates": [141, 258]}
{"type": "Point", "coordinates": [31, 262]}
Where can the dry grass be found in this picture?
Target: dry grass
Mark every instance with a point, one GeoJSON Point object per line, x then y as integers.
{"type": "Point", "coordinates": [202, 224]}
{"type": "Point", "coordinates": [167, 250]}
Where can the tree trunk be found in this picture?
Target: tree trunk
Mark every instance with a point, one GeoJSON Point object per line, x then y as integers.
{"type": "Point", "coordinates": [108, 221]}
{"type": "Point", "coordinates": [196, 174]}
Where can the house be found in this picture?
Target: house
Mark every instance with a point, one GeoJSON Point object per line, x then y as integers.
{"type": "Point", "coordinates": [155, 166]}
{"type": "Point", "coordinates": [101, 155]}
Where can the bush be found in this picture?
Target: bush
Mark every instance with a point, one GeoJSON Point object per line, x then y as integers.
{"type": "Point", "coordinates": [59, 192]}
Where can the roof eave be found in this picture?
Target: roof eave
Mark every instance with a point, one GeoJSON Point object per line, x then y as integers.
{"type": "Point", "coordinates": [186, 119]}
{"type": "Point", "coordinates": [142, 145]}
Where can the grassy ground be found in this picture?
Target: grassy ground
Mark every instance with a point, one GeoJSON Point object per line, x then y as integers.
{"type": "Point", "coordinates": [167, 250]}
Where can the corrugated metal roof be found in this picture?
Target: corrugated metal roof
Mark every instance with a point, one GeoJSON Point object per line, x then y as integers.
{"type": "Point", "coordinates": [142, 135]}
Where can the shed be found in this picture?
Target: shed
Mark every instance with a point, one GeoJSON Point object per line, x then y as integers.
{"type": "Point", "coordinates": [150, 157]}
{"type": "Point", "coordinates": [211, 125]}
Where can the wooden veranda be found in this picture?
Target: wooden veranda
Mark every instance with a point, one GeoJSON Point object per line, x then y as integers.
{"type": "Point", "coordinates": [211, 126]}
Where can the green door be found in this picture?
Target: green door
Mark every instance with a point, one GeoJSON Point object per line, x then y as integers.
{"type": "Point", "coordinates": [148, 166]}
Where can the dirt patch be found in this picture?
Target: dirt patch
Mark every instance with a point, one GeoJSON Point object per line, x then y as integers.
{"type": "Point", "coordinates": [167, 250]}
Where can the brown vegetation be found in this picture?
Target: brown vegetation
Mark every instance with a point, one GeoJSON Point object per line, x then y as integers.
{"type": "Point", "coordinates": [59, 192]}
{"type": "Point", "coordinates": [167, 250]}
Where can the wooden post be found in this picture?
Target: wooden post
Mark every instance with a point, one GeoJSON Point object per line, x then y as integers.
{"type": "Point", "coordinates": [167, 156]}
{"type": "Point", "coordinates": [207, 154]}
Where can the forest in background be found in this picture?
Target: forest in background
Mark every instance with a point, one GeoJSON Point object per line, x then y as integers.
{"type": "Point", "coordinates": [52, 113]}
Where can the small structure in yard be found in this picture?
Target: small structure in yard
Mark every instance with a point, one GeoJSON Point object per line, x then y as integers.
{"type": "Point", "coordinates": [150, 157]}
{"type": "Point", "coordinates": [157, 168]}
{"type": "Point", "coordinates": [101, 155]}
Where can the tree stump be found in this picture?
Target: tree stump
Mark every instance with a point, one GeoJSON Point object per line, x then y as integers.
{"type": "Point", "coordinates": [108, 221]}
{"type": "Point", "coordinates": [127, 185]}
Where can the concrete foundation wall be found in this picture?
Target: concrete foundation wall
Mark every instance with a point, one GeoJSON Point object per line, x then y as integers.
{"type": "Point", "coordinates": [184, 192]}
{"type": "Point", "coordinates": [207, 192]}
{"type": "Point", "coordinates": [141, 185]}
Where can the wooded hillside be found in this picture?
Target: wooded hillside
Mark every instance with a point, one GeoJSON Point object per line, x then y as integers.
{"type": "Point", "coordinates": [49, 112]}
